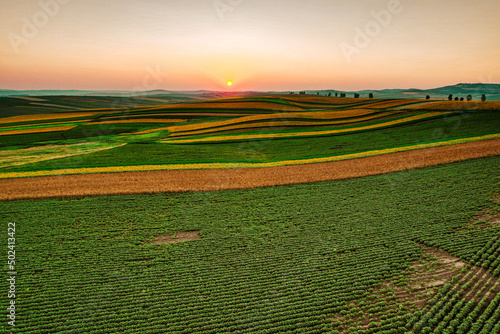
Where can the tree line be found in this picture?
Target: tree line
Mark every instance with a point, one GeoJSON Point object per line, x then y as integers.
{"type": "Point", "coordinates": [428, 97]}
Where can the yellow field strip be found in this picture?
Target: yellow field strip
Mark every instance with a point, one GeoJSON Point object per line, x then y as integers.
{"type": "Point", "coordinates": [303, 134]}
{"type": "Point", "coordinates": [278, 123]}
{"type": "Point", "coordinates": [322, 115]}
{"type": "Point", "coordinates": [265, 106]}
{"type": "Point", "coordinates": [181, 114]}
{"type": "Point", "coordinates": [142, 168]}
{"type": "Point", "coordinates": [37, 130]}
{"type": "Point", "coordinates": [323, 100]}
{"type": "Point", "coordinates": [43, 124]}
{"type": "Point", "coordinates": [145, 131]}
{"type": "Point", "coordinates": [40, 117]}
{"type": "Point", "coordinates": [143, 120]}
{"type": "Point", "coordinates": [460, 106]}
{"type": "Point", "coordinates": [389, 104]}
{"type": "Point", "coordinates": [9, 158]}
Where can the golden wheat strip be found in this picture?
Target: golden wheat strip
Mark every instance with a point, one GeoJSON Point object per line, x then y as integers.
{"type": "Point", "coordinates": [226, 105]}
{"type": "Point", "coordinates": [142, 168]}
{"type": "Point", "coordinates": [389, 104]}
{"type": "Point", "coordinates": [19, 157]}
{"type": "Point", "coordinates": [324, 99]}
{"type": "Point", "coordinates": [460, 105]}
{"type": "Point", "coordinates": [37, 130]}
{"type": "Point", "coordinates": [277, 123]}
{"type": "Point", "coordinates": [303, 134]}
{"type": "Point", "coordinates": [277, 116]}
{"type": "Point", "coordinates": [182, 114]}
{"type": "Point", "coordinates": [143, 120]}
{"type": "Point", "coordinates": [39, 117]}
{"type": "Point", "coordinates": [43, 124]}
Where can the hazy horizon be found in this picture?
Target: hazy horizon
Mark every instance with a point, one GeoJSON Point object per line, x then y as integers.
{"type": "Point", "coordinates": [187, 45]}
{"type": "Point", "coordinates": [225, 89]}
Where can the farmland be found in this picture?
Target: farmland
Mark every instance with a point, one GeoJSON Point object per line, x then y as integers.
{"type": "Point", "coordinates": [259, 213]}
{"type": "Point", "coordinates": [305, 259]}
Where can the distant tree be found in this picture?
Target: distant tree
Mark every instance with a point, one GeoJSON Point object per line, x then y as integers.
{"type": "Point", "coordinates": [302, 93]}
{"type": "Point", "coordinates": [450, 97]}
{"type": "Point", "coordinates": [461, 99]}
{"type": "Point", "coordinates": [469, 97]}
{"type": "Point", "coordinates": [292, 93]}
{"type": "Point", "coordinates": [456, 98]}
{"type": "Point", "coordinates": [329, 94]}
{"type": "Point", "coordinates": [370, 95]}
{"type": "Point", "coordinates": [356, 95]}
{"type": "Point", "coordinates": [336, 94]}
{"type": "Point", "coordinates": [483, 98]}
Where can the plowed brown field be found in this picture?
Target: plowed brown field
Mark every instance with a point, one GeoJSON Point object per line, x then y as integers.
{"type": "Point", "coordinates": [242, 178]}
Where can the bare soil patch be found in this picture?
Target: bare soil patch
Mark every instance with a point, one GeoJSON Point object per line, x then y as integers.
{"type": "Point", "coordinates": [238, 178]}
{"type": "Point", "coordinates": [177, 237]}
{"type": "Point", "coordinates": [407, 293]}
{"type": "Point", "coordinates": [414, 287]}
{"type": "Point", "coordinates": [487, 218]}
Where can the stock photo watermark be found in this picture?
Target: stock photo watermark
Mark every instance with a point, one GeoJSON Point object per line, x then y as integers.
{"type": "Point", "coordinates": [11, 273]}
{"type": "Point", "coordinates": [32, 25]}
{"type": "Point", "coordinates": [225, 6]}
{"type": "Point", "coordinates": [372, 29]}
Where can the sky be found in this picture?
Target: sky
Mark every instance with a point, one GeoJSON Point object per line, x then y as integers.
{"type": "Point", "coordinates": [259, 45]}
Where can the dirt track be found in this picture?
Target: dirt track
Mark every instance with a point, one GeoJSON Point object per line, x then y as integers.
{"type": "Point", "coordinates": [243, 178]}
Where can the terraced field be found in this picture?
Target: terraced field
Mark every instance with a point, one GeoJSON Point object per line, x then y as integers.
{"type": "Point", "coordinates": [252, 129]}
{"type": "Point", "coordinates": [259, 213]}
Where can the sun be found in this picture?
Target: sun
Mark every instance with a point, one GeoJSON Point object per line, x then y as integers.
{"type": "Point", "coordinates": [229, 83]}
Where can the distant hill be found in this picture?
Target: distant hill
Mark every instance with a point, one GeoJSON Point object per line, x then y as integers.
{"type": "Point", "coordinates": [77, 93]}
{"type": "Point", "coordinates": [492, 92]}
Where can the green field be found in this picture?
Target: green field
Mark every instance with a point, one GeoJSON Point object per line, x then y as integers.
{"type": "Point", "coordinates": [408, 252]}
{"type": "Point", "coordinates": [276, 260]}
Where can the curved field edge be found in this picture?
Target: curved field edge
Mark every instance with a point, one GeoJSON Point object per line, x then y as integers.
{"type": "Point", "coordinates": [283, 122]}
{"type": "Point", "coordinates": [217, 139]}
{"type": "Point", "coordinates": [196, 166]}
{"type": "Point", "coordinates": [239, 178]}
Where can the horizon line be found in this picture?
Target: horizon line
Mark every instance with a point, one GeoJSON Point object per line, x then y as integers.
{"type": "Point", "coordinates": [237, 91]}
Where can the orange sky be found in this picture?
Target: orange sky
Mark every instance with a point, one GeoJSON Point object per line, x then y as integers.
{"type": "Point", "coordinates": [258, 44]}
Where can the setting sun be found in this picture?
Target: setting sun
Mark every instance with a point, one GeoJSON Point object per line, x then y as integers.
{"type": "Point", "coordinates": [229, 83]}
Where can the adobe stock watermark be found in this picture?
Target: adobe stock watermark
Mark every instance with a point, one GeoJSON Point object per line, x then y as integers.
{"type": "Point", "coordinates": [372, 29]}
{"type": "Point", "coordinates": [31, 26]}
{"type": "Point", "coordinates": [224, 6]}
{"type": "Point", "coordinates": [153, 79]}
